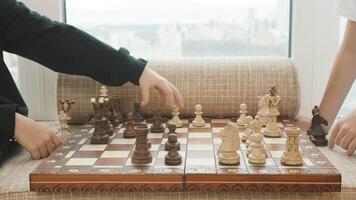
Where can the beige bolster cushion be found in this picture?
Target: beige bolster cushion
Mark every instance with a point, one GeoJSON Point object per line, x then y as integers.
{"type": "Point", "coordinates": [220, 85]}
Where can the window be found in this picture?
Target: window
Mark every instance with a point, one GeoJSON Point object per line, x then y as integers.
{"type": "Point", "coordinates": [185, 28]}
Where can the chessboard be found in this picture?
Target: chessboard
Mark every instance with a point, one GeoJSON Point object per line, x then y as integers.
{"type": "Point", "coordinates": [78, 165]}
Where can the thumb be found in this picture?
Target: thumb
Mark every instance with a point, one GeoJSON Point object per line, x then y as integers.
{"type": "Point", "coordinates": [145, 95]}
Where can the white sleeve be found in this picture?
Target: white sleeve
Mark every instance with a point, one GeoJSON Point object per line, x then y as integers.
{"type": "Point", "coordinates": [347, 9]}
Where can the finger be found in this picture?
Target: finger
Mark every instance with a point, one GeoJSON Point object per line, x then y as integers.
{"type": "Point", "coordinates": [50, 148]}
{"type": "Point", "coordinates": [333, 133]}
{"type": "Point", "coordinates": [345, 142]}
{"type": "Point", "coordinates": [177, 96]}
{"type": "Point", "coordinates": [36, 155]}
{"type": "Point", "coordinates": [44, 152]}
{"type": "Point", "coordinates": [167, 93]}
{"type": "Point", "coordinates": [145, 92]}
{"type": "Point", "coordinates": [340, 135]}
{"type": "Point", "coordinates": [352, 147]}
{"type": "Point", "coordinates": [55, 140]}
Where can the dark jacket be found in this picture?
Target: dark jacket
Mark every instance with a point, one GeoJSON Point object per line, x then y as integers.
{"type": "Point", "coordinates": [60, 47]}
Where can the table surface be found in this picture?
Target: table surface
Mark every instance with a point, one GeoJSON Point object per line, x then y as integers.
{"type": "Point", "coordinates": [14, 173]}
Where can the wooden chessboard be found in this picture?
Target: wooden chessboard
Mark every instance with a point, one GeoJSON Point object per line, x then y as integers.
{"type": "Point", "coordinates": [79, 166]}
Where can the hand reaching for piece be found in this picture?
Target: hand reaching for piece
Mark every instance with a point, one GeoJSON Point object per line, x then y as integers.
{"type": "Point", "coordinates": [34, 137]}
{"type": "Point", "coordinates": [150, 79]}
{"type": "Point", "coordinates": [343, 133]}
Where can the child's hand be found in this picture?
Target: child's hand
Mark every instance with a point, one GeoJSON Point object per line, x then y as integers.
{"type": "Point", "coordinates": [37, 139]}
{"type": "Point", "coordinates": [150, 79]}
{"type": "Point", "coordinates": [343, 133]}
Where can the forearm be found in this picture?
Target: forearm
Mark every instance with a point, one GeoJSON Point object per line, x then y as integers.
{"type": "Point", "coordinates": [342, 75]}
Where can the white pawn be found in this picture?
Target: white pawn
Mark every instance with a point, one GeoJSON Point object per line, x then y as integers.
{"type": "Point", "coordinates": [175, 119]}
{"type": "Point", "coordinates": [242, 119]}
{"type": "Point", "coordinates": [246, 130]}
{"type": "Point", "coordinates": [198, 121]}
{"type": "Point", "coordinates": [258, 151]}
{"type": "Point", "coordinates": [63, 132]}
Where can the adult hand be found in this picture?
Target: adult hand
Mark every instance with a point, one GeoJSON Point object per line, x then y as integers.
{"type": "Point", "coordinates": [150, 79]}
{"type": "Point", "coordinates": [37, 139]}
{"type": "Point", "coordinates": [343, 133]}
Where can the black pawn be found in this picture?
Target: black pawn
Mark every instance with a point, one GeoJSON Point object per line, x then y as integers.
{"type": "Point", "coordinates": [172, 128]}
{"type": "Point", "coordinates": [173, 157]}
{"type": "Point", "coordinates": [129, 132]}
{"type": "Point", "coordinates": [109, 127]}
{"type": "Point", "coordinates": [137, 113]}
{"type": "Point", "coordinates": [117, 108]}
{"type": "Point", "coordinates": [157, 126]}
{"type": "Point", "coordinates": [172, 142]}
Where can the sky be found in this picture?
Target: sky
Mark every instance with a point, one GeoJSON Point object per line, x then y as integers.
{"type": "Point", "coordinates": [124, 12]}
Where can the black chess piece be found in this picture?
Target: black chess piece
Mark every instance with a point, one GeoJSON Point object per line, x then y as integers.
{"type": "Point", "coordinates": [109, 127]}
{"type": "Point", "coordinates": [141, 154]}
{"type": "Point", "coordinates": [157, 126]}
{"type": "Point", "coordinates": [173, 157]}
{"type": "Point", "coordinates": [172, 142]}
{"type": "Point", "coordinates": [317, 131]}
{"type": "Point", "coordinates": [100, 134]}
{"type": "Point", "coordinates": [111, 112]}
{"type": "Point", "coordinates": [171, 128]}
{"type": "Point", "coordinates": [112, 115]}
{"type": "Point", "coordinates": [116, 109]}
{"type": "Point", "coordinates": [129, 131]}
{"type": "Point", "coordinates": [137, 113]}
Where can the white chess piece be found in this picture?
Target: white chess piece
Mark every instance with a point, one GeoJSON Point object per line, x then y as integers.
{"type": "Point", "coordinates": [258, 150]}
{"type": "Point", "coordinates": [255, 126]}
{"type": "Point", "coordinates": [243, 111]}
{"type": "Point", "coordinates": [175, 119]}
{"type": "Point", "coordinates": [103, 91]}
{"type": "Point", "coordinates": [227, 152]}
{"type": "Point", "coordinates": [198, 120]}
{"type": "Point", "coordinates": [291, 155]}
{"type": "Point", "coordinates": [246, 130]}
{"type": "Point", "coordinates": [243, 122]}
{"type": "Point", "coordinates": [263, 106]}
{"type": "Point", "coordinates": [272, 129]}
{"type": "Point", "coordinates": [63, 132]}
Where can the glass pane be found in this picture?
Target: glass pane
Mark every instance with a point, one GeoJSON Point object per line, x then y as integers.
{"type": "Point", "coordinates": [187, 28]}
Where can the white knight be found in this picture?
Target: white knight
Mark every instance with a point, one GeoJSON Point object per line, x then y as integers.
{"type": "Point", "coordinates": [227, 152]}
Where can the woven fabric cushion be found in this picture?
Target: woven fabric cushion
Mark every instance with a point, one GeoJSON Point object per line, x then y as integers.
{"type": "Point", "coordinates": [220, 85]}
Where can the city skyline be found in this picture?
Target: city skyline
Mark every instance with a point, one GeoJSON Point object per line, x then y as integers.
{"type": "Point", "coordinates": [259, 29]}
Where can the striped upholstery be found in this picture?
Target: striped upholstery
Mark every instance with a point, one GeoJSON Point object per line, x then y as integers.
{"type": "Point", "coordinates": [219, 84]}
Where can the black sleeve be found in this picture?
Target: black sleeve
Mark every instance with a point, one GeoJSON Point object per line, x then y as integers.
{"type": "Point", "coordinates": [7, 127]}
{"type": "Point", "coordinates": [64, 48]}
